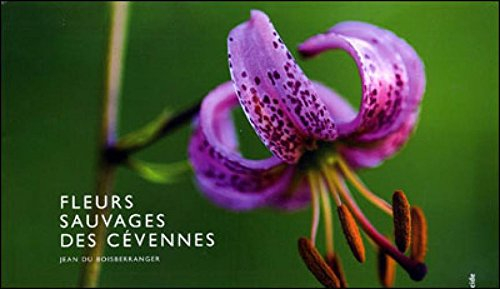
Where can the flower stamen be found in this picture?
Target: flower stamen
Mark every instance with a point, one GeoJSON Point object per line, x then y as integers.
{"type": "Point", "coordinates": [333, 260]}
{"type": "Point", "coordinates": [386, 269]}
{"type": "Point", "coordinates": [351, 231]}
{"type": "Point", "coordinates": [317, 265]}
{"type": "Point", "coordinates": [402, 220]}
{"type": "Point", "coordinates": [416, 269]}
{"type": "Point", "coordinates": [418, 234]}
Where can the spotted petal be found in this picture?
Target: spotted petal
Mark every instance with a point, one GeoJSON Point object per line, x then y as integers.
{"type": "Point", "coordinates": [392, 75]}
{"type": "Point", "coordinates": [225, 177]}
{"type": "Point", "coordinates": [373, 153]}
{"type": "Point", "coordinates": [279, 101]}
{"type": "Point", "coordinates": [369, 153]}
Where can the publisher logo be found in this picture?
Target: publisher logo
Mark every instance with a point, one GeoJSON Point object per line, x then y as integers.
{"type": "Point", "coordinates": [472, 280]}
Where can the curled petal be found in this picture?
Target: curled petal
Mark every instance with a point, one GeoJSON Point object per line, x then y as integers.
{"type": "Point", "coordinates": [225, 177]}
{"type": "Point", "coordinates": [371, 154]}
{"type": "Point", "coordinates": [279, 101]}
{"type": "Point", "coordinates": [413, 63]}
{"type": "Point", "coordinates": [392, 75]}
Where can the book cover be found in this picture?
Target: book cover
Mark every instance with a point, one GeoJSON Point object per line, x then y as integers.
{"type": "Point", "coordinates": [249, 144]}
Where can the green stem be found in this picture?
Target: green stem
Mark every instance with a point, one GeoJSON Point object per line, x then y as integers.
{"type": "Point", "coordinates": [106, 170]}
{"type": "Point", "coordinates": [90, 273]}
{"type": "Point", "coordinates": [113, 152]}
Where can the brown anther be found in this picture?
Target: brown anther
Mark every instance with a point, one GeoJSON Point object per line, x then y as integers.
{"type": "Point", "coordinates": [386, 269]}
{"type": "Point", "coordinates": [418, 234]}
{"type": "Point", "coordinates": [317, 265]}
{"type": "Point", "coordinates": [402, 220]}
{"type": "Point", "coordinates": [351, 232]}
{"type": "Point", "coordinates": [333, 260]}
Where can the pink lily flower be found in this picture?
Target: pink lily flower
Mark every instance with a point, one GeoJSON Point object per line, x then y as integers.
{"type": "Point", "coordinates": [318, 140]}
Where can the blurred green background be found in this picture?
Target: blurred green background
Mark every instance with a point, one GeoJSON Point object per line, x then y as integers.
{"type": "Point", "coordinates": [53, 60]}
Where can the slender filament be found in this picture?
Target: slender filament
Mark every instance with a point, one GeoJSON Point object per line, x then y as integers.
{"type": "Point", "coordinates": [333, 190]}
{"type": "Point", "coordinates": [313, 183]}
{"type": "Point", "coordinates": [327, 215]}
{"type": "Point", "coordinates": [358, 184]}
